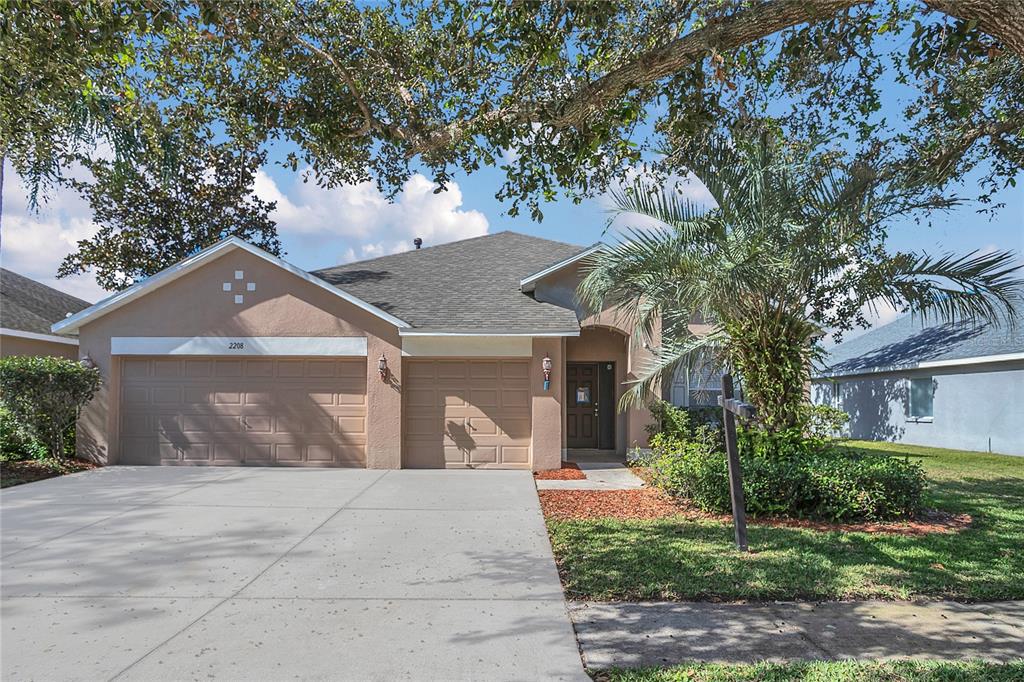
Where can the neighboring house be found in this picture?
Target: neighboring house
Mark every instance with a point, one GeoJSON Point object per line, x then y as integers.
{"type": "Point", "coordinates": [27, 310]}
{"type": "Point", "coordinates": [944, 385]}
{"type": "Point", "coordinates": [430, 358]}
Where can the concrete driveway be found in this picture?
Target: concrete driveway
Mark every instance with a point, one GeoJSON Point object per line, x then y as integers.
{"type": "Point", "coordinates": [184, 573]}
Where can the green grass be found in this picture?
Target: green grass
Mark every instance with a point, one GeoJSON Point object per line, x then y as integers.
{"type": "Point", "coordinates": [677, 559]}
{"type": "Point", "coordinates": [844, 671]}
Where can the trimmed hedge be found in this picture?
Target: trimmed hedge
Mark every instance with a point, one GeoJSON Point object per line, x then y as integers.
{"type": "Point", "coordinates": [44, 396]}
{"type": "Point", "coordinates": [786, 474]}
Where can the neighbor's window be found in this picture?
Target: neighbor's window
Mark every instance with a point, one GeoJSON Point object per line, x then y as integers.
{"type": "Point", "coordinates": [921, 397]}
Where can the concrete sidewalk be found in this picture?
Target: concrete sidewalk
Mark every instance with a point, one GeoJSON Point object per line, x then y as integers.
{"type": "Point", "coordinates": [600, 476]}
{"type": "Point", "coordinates": [660, 633]}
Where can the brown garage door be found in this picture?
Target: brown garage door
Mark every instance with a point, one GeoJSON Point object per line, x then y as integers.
{"type": "Point", "coordinates": [462, 413]}
{"type": "Point", "coordinates": [271, 411]}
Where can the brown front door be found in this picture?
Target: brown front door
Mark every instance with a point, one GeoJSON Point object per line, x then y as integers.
{"type": "Point", "coordinates": [582, 400]}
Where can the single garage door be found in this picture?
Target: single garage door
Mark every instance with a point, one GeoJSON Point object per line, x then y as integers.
{"type": "Point", "coordinates": [267, 411]}
{"type": "Point", "coordinates": [467, 413]}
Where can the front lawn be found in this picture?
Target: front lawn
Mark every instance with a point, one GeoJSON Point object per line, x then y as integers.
{"type": "Point", "coordinates": [680, 559]}
{"type": "Point", "coordinates": [831, 671]}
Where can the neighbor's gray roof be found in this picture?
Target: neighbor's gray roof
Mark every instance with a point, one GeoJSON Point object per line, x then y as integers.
{"type": "Point", "coordinates": [908, 341]}
{"type": "Point", "coordinates": [465, 286]}
{"type": "Point", "coordinates": [28, 306]}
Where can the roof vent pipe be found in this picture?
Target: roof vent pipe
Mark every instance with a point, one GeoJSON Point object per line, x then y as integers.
{"type": "Point", "coordinates": [417, 242]}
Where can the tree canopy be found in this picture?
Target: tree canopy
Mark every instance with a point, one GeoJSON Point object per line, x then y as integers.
{"type": "Point", "coordinates": [561, 96]}
{"type": "Point", "coordinates": [148, 222]}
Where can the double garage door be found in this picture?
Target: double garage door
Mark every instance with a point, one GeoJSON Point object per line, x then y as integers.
{"type": "Point", "coordinates": [467, 413]}
{"type": "Point", "coordinates": [263, 411]}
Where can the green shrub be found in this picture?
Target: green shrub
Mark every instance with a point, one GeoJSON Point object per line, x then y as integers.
{"type": "Point", "coordinates": [15, 442]}
{"type": "Point", "coordinates": [45, 396]}
{"type": "Point", "coordinates": [668, 420]}
{"type": "Point", "coordinates": [787, 474]}
{"type": "Point", "coordinates": [824, 422]}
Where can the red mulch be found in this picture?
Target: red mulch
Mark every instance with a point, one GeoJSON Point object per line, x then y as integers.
{"type": "Point", "coordinates": [570, 471]}
{"type": "Point", "coordinates": [648, 503]}
{"type": "Point", "coordinates": [29, 470]}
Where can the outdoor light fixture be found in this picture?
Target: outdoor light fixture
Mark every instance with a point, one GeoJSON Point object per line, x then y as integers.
{"type": "Point", "coordinates": [546, 365]}
{"type": "Point", "coordinates": [87, 362]}
{"type": "Point", "coordinates": [382, 367]}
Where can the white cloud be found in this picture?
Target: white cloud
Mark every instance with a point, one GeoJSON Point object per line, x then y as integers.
{"type": "Point", "coordinates": [687, 186]}
{"type": "Point", "coordinates": [318, 227]}
{"type": "Point", "coordinates": [355, 222]}
{"type": "Point", "coordinates": [35, 243]}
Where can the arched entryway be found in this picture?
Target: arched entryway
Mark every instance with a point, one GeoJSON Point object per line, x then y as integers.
{"type": "Point", "coordinates": [596, 370]}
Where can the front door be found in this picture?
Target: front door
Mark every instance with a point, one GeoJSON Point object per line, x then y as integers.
{"type": "Point", "coordinates": [582, 401]}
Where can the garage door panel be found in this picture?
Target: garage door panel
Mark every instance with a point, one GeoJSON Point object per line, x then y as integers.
{"type": "Point", "coordinates": [515, 370]}
{"type": "Point", "coordinates": [198, 451]}
{"type": "Point", "coordinates": [515, 454]}
{"type": "Point", "coordinates": [483, 370]}
{"type": "Point", "coordinates": [482, 426]}
{"type": "Point", "coordinates": [227, 452]}
{"type": "Point", "coordinates": [198, 368]}
{"type": "Point", "coordinates": [512, 398]}
{"type": "Point", "coordinates": [290, 368]}
{"type": "Point", "coordinates": [228, 368]}
{"type": "Point", "coordinates": [484, 455]}
{"type": "Point", "coordinates": [466, 413]}
{"type": "Point", "coordinates": [516, 429]}
{"type": "Point", "coordinates": [259, 369]}
{"type": "Point", "coordinates": [166, 368]}
{"type": "Point", "coordinates": [482, 398]}
{"type": "Point", "coordinates": [244, 412]}
{"type": "Point", "coordinates": [451, 370]}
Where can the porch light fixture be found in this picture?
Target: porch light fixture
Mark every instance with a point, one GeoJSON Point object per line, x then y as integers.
{"type": "Point", "coordinates": [382, 367]}
{"type": "Point", "coordinates": [546, 366]}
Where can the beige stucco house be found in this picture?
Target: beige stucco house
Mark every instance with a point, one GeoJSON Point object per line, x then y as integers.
{"type": "Point", "coordinates": [430, 358]}
{"type": "Point", "coordinates": [27, 310]}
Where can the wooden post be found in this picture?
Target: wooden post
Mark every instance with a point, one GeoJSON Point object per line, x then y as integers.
{"type": "Point", "coordinates": [739, 514]}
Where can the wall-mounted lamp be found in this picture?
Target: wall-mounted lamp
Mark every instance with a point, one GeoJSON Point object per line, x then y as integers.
{"type": "Point", "coordinates": [382, 367]}
{"type": "Point", "coordinates": [546, 366]}
{"type": "Point", "coordinates": [87, 362]}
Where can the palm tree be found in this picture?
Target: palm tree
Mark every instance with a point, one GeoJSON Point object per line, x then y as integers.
{"type": "Point", "coordinates": [795, 246]}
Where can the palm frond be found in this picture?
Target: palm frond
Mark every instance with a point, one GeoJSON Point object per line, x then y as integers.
{"type": "Point", "coordinates": [976, 287]}
{"type": "Point", "coordinates": [665, 360]}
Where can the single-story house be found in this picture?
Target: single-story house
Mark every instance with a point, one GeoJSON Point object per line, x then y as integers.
{"type": "Point", "coordinates": [467, 354]}
{"type": "Point", "coordinates": [27, 310]}
{"type": "Point", "coordinates": [947, 385]}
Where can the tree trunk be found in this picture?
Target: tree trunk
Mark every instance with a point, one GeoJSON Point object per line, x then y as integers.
{"type": "Point", "coordinates": [1001, 19]}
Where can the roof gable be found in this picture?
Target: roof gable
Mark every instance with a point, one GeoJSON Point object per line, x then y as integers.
{"type": "Point", "coordinates": [30, 306]}
{"type": "Point", "coordinates": [470, 286]}
{"type": "Point", "coordinates": [203, 257]}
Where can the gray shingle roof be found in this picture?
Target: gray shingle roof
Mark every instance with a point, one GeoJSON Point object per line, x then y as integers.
{"type": "Point", "coordinates": [28, 306]}
{"type": "Point", "coordinates": [907, 341]}
{"type": "Point", "coordinates": [465, 286]}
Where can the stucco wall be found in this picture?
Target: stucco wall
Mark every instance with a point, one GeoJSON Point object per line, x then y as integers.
{"type": "Point", "coordinates": [16, 345]}
{"type": "Point", "coordinates": [605, 336]}
{"type": "Point", "coordinates": [975, 407]}
{"type": "Point", "coordinates": [281, 305]}
{"type": "Point", "coordinates": [547, 422]}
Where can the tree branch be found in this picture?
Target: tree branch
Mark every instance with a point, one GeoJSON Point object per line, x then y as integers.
{"type": "Point", "coordinates": [1001, 19]}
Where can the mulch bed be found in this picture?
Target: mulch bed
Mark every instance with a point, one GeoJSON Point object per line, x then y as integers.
{"type": "Point", "coordinates": [570, 471]}
{"type": "Point", "coordinates": [649, 504]}
{"type": "Point", "coordinates": [29, 470]}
